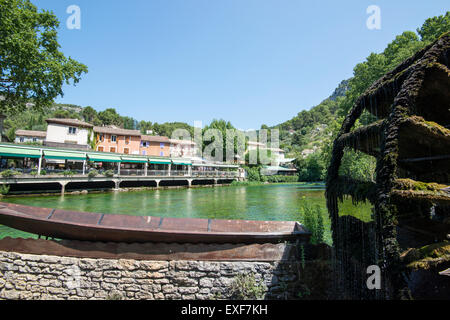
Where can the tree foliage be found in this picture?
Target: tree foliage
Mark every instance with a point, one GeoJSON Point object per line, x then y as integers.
{"type": "Point", "coordinates": [32, 69]}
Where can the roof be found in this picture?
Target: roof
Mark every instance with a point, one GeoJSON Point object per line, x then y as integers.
{"type": "Point", "coordinates": [278, 168]}
{"type": "Point", "coordinates": [73, 122]}
{"type": "Point", "coordinates": [117, 131]}
{"type": "Point", "coordinates": [155, 138]}
{"type": "Point", "coordinates": [31, 133]}
{"type": "Point", "coordinates": [255, 143]}
{"type": "Point", "coordinates": [176, 141]}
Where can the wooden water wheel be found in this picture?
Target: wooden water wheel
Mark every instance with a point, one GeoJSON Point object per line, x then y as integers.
{"type": "Point", "coordinates": [410, 139]}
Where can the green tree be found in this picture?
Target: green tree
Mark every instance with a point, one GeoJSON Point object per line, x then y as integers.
{"type": "Point", "coordinates": [32, 69]}
{"type": "Point", "coordinates": [434, 27]}
{"type": "Point", "coordinates": [110, 117]}
{"type": "Point", "coordinates": [89, 114]}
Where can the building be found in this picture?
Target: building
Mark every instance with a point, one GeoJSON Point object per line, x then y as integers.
{"type": "Point", "coordinates": [183, 148]}
{"type": "Point", "coordinates": [155, 146]}
{"type": "Point", "coordinates": [68, 133]}
{"type": "Point", "coordinates": [117, 140]}
{"type": "Point", "coordinates": [30, 136]}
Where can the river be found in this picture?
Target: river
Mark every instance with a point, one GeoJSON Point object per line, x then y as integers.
{"type": "Point", "coordinates": [260, 202]}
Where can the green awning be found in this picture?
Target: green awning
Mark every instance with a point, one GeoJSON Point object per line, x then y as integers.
{"type": "Point", "coordinates": [160, 161]}
{"type": "Point", "coordinates": [64, 155]}
{"type": "Point", "coordinates": [182, 162]}
{"type": "Point", "coordinates": [134, 159]}
{"type": "Point", "coordinates": [96, 157]}
{"type": "Point", "coordinates": [6, 151]}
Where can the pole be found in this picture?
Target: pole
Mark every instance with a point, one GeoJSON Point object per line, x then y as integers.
{"type": "Point", "coordinates": [40, 164]}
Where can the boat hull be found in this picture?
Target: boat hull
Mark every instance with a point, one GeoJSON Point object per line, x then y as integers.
{"type": "Point", "coordinates": [84, 226]}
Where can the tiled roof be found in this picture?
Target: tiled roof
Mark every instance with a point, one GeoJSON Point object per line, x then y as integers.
{"type": "Point", "coordinates": [72, 122]}
{"type": "Point", "coordinates": [117, 131]}
{"type": "Point", "coordinates": [176, 141]}
{"type": "Point", "coordinates": [31, 133]}
{"type": "Point", "coordinates": [155, 138]}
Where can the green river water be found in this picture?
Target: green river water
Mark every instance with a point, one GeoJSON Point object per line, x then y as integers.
{"type": "Point", "coordinates": [260, 202]}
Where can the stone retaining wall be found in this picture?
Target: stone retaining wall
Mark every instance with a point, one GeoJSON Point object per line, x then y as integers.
{"type": "Point", "coordinates": [26, 276]}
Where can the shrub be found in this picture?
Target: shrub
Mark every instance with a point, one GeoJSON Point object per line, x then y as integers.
{"type": "Point", "coordinates": [313, 221]}
{"type": "Point", "coordinates": [4, 189]}
{"type": "Point", "coordinates": [93, 173]}
{"type": "Point", "coordinates": [280, 178]}
{"type": "Point", "coordinates": [108, 173]}
{"type": "Point", "coordinates": [67, 173]}
{"type": "Point", "coordinates": [245, 287]}
{"type": "Point", "coordinates": [10, 173]}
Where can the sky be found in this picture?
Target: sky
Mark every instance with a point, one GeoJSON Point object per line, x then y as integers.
{"type": "Point", "coordinates": [250, 62]}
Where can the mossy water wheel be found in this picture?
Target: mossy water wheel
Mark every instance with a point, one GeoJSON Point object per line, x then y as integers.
{"type": "Point", "coordinates": [410, 139]}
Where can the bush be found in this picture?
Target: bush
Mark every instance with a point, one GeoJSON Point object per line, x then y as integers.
{"type": "Point", "coordinates": [245, 287]}
{"type": "Point", "coordinates": [4, 189]}
{"type": "Point", "coordinates": [93, 173]}
{"type": "Point", "coordinates": [313, 221]}
{"type": "Point", "coordinates": [68, 173]}
{"type": "Point", "coordinates": [10, 173]}
{"type": "Point", "coordinates": [108, 173]}
{"type": "Point", "coordinates": [280, 179]}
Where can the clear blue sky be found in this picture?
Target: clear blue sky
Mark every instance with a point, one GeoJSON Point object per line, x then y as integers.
{"type": "Point", "coordinates": [251, 62]}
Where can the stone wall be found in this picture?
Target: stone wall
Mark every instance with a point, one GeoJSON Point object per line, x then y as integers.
{"type": "Point", "coordinates": [26, 276]}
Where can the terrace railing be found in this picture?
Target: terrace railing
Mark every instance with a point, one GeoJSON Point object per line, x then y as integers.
{"type": "Point", "coordinates": [126, 172]}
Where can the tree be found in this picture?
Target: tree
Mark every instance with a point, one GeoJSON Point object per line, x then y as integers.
{"type": "Point", "coordinates": [434, 27]}
{"type": "Point", "coordinates": [89, 114]}
{"type": "Point", "coordinates": [110, 117]}
{"type": "Point", "coordinates": [32, 69]}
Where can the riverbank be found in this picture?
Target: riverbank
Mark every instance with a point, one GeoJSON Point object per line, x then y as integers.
{"type": "Point", "coordinates": [262, 183]}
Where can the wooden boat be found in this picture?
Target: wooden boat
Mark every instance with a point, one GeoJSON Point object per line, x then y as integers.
{"type": "Point", "coordinates": [85, 226]}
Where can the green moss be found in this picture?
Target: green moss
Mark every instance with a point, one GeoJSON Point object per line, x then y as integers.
{"type": "Point", "coordinates": [428, 256]}
{"type": "Point", "coordinates": [409, 184]}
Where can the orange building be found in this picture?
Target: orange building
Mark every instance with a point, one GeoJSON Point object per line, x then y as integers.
{"type": "Point", "coordinates": [113, 139]}
{"type": "Point", "coordinates": [155, 146]}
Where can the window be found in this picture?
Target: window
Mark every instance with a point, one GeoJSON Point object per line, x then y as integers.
{"type": "Point", "coordinates": [161, 145]}
{"type": "Point", "coordinates": [112, 149]}
{"type": "Point", "coordinates": [144, 153]}
{"type": "Point", "coordinates": [72, 130]}
{"type": "Point", "coordinates": [22, 139]}
{"type": "Point", "coordinates": [127, 140]}
{"type": "Point", "coordinates": [161, 153]}
{"type": "Point", "coordinates": [126, 150]}
{"type": "Point", "coordinates": [34, 139]}
{"type": "Point", "coordinates": [102, 138]}
{"type": "Point", "coordinates": [113, 138]}
{"type": "Point", "coordinates": [100, 149]}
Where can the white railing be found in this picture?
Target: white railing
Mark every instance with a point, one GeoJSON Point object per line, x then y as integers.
{"type": "Point", "coordinates": [129, 172]}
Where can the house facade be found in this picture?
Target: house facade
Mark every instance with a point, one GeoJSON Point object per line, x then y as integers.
{"type": "Point", "coordinates": [30, 136]}
{"type": "Point", "coordinates": [183, 148]}
{"type": "Point", "coordinates": [155, 146]}
{"type": "Point", "coordinates": [117, 140]}
{"type": "Point", "coordinates": [68, 133]}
